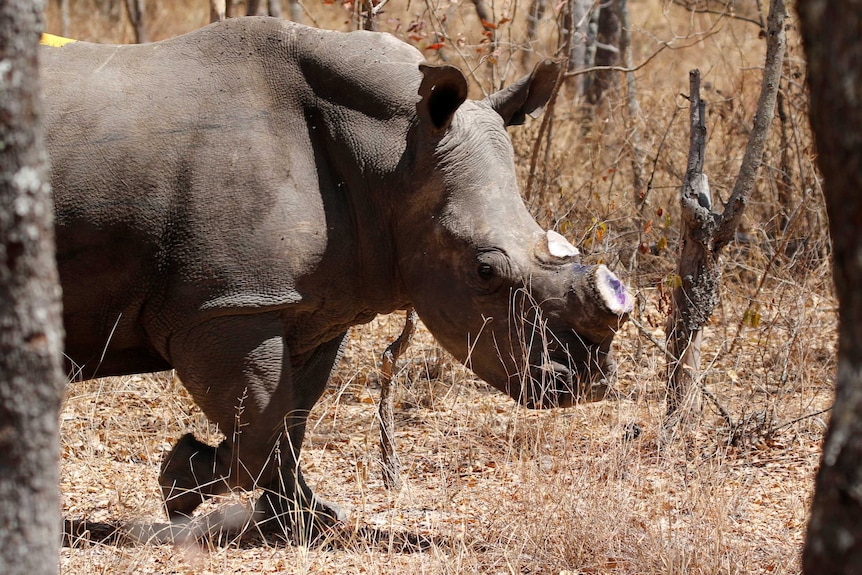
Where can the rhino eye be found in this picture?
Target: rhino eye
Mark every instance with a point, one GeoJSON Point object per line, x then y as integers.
{"type": "Point", "coordinates": [485, 271]}
{"type": "Point", "coordinates": [490, 271]}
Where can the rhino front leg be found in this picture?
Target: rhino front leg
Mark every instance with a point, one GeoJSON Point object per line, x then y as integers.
{"type": "Point", "coordinates": [239, 372]}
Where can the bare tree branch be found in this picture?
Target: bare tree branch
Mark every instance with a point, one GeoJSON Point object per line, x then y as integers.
{"type": "Point", "coordinates": [775, 46]}
{"type": "Point", "coordinates": [692, 7]}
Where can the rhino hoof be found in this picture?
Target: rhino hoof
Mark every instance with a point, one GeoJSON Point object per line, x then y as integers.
{"type": "Point", "coordinates": [301, 523]}
{"type": "Point", "coordinates": [178, 478]}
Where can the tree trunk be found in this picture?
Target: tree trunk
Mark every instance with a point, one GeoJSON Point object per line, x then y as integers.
{"type": "Point", "coordinates": [31, 381]}
{"type": "Point", "coordinates": [830, 31]}
{"type": "Point", "coordinates": [574, 38]}
{"type": "Point", "coordinates": [218, 10]}
{"type": "Point", "coordinates": [704, 233]}
{"type": "Point", "coordinates": [632, 107]}
{"type": "Point", "coordinates": [607, 44]}
{"type": "Point", "coordinates": [534, 16]}
{"type": "Point", "coordinates": [695, 285]}
{"type": "Point", "coordinates": [136, 10]}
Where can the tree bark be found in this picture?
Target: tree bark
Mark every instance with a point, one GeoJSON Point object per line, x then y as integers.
{"type": "Point", "coordinates": [830, 31]}
{"type": "Point", "coordinates": [695, 285]}
{"type": "Point", "coordinates": [31, 381]}
{"type": "Point", "coordinates": [574, 38]}
{"type": "Point", "coordinates": [218, 10]}
{"type": "Point", "coordinates": [633, 108]}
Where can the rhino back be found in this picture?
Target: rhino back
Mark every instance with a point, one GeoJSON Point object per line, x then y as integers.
{"type": "Point", "coordinates": [209, 174]}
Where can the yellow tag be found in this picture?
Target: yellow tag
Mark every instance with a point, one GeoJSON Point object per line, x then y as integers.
{"type": "Point", "coordinates": [55, 41]}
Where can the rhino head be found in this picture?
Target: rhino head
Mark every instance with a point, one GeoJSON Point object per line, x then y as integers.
{"type": "Point", "coordinates": [509, 299]}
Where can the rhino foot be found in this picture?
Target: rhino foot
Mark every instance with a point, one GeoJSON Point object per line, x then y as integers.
{"type": "Point", "coordinates": [186, 477]}
{"type": "Point", "coordinates": [305, 521]}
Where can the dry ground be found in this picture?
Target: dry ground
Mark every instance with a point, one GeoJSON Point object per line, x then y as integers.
{"type": "Point", "coordinates": [493, 488]}
{"type": "Point", "coordinates": [490, 487]}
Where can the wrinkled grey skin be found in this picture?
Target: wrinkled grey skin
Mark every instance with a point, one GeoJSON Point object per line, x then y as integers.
{"type": "Point", "coordinates": [230, 202]}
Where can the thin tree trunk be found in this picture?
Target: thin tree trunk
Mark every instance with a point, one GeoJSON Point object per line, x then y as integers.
{"type": "Point", "coordinates": [785, 181]}
{"type": "Point", "coordinates": [695, 289]}
{"type": "Point", "coordinates": [295, 9]}
{"type": "Point", "coordinates": [574, 35]}
{"type": "Point", "coordinates": [31, 381]}
{"type": "Point", "coordinates": [275, 8]}
{"type": "Point", "coordinates": [218, 10]}
{"type": "Point", "coordinates": [704, 233]}
{"type": "Point", "coordinates": [365, 9]}
{"type": "Point", "coordinates": [607, 52]}
{"type": "Point", "coordinates": [534, 16]}
{"type": "Point", "coordinates": [64, 18]}
{"type": "Point", "coordinates": [263, 8]}
{"type": "Point", "coordinates": [486, 18]}
{"type": "Point", "coordinates": [633, 108]}
{"type": "Point", "coordinates": [136, 10]}
{"type": "Point", "coordinates": [830, 31]}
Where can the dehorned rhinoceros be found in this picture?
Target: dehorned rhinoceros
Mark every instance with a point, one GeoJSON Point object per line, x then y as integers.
{"type": "Point", "coordinates": [230, 202]}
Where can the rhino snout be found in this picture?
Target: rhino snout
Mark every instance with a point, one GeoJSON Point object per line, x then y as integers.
{"type": "Point", "coordinates": [611, 293]}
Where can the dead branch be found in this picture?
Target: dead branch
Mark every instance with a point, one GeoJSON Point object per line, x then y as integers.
{"type": "Point", "coordinates": [390, 464]}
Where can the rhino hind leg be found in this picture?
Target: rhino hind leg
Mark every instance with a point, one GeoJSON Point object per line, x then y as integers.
{"type": "Point", "coordinates": [242, 387]}
{"type": "Point", "coordinates": [194, 471]}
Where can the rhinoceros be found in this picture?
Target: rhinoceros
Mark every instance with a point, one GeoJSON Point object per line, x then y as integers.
{"type": "Point", "coordinates": [231, 201]}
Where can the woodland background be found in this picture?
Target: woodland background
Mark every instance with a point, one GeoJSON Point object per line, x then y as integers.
{"type": "Point", "coordinates": [489, 486]}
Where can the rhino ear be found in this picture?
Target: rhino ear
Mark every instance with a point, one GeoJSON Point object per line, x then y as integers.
{"type": "Point", "coordinates": [528, 95]}
{"type": "Point", "coordinates": [443, 90]}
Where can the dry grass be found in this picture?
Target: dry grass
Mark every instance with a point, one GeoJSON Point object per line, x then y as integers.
{"type": "Point", "coordinates": [490, 487]}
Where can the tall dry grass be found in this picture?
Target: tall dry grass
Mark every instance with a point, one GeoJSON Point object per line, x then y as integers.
{"type": "Point", "coordinates": [490, 487]}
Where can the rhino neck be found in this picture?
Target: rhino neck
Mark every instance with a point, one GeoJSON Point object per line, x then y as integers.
{"type": "Point", "coordinates": [356, 188]}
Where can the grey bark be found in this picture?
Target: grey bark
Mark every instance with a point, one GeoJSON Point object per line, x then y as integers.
{"type": "Point", "coordinates": [64, 18]}
{"type": "Point", "coordinates": [264, 8]}
{"type": "Point", "coordinates": [31, 381]}
{"type": "Point", "coordinates": [705, 233]}
{"type": "Point", "coordinates": [830, 31]}
{"type": "Point", "coordinates": [695, 292]}
{"type": "Point", "coordinates": [367, 20]}
{"type": "Point", "coordinates": [218, 10]}
{"type": "Point", "coordinates": [785, 182]}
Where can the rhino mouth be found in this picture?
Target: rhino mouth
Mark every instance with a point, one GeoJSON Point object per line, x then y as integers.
{"type": "Point", "coordinates": [568, 373]}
